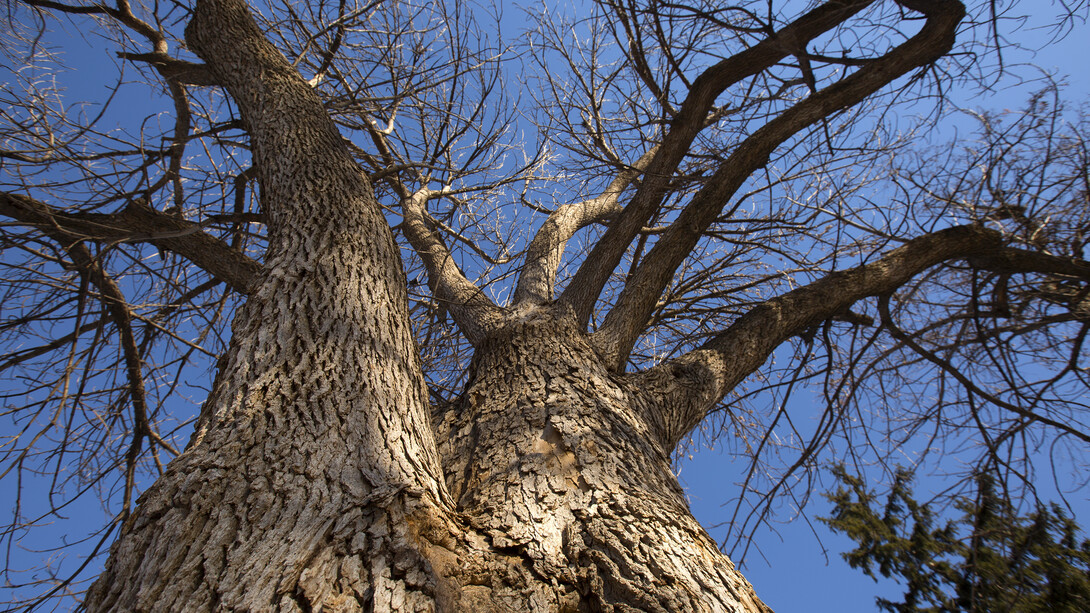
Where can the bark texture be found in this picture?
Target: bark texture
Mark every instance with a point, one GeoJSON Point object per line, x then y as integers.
{"type": "Point", "coordinates": [313, 481]}
{"type": "Point", "coordinates": [313, 469]}
{"type": "Point", "coordinates": [554, 459]}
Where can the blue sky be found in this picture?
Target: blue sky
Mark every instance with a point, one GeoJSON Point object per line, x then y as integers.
{"type": "Point", "coordinates": [798, 566]}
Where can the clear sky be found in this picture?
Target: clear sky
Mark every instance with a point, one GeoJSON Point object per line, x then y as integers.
{"type": "Point", "coordinates": [790, 571]}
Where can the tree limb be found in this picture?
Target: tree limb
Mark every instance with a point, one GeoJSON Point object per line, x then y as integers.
{"type": "Point", "coordinates": [538, 279]}
{"type": "Point", "coordinates": [583, 290]}
{"type": "Point", "coordinates": [473, 312]}
{"type": "Point", "coordinates": [139, 223]}
{"type": "Point", "coordinates": [1013, 260]}
{"type": "Point", "coordinates": [171, 68]}
{"type": "Point", "coordinates": [733, 354]}
{"type": "Point", "coordinates": [626, 321]}
{"type": "Point", "coordinates": [118, 308]}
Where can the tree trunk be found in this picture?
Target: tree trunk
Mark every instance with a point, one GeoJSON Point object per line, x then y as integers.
{"type": "Point", "coordinates": [565, 497]}
{"type": "Point", "coordinates": [559, 462]}
{"type": "Point", "coordinates": [314, 481]}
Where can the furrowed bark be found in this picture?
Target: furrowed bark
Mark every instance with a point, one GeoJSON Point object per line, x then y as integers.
{"type": "Point", "coordinates": [314, 472]}
{"type": "Point", "coordinates": [314, 481]}
{"type": "Point", "coordinates": [318, 478]}
{"type": "Point", "coordinates": [554, 459]}
{"type": "Point", "coordinates": [625, 322]}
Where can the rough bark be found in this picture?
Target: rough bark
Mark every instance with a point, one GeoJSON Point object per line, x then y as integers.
{"type": "Point", "coordinates": [313, 480]}
{"type": "Point", "coordinates": [313, 470]}
{"type": "Point", "coordinates": [556, 460]}
{"type": "Point", "coordinates": [471, 309]}
{"type": "Point", "coordinates": [538, 278]}
{"type": "Point", "coordinates": [319, 478]}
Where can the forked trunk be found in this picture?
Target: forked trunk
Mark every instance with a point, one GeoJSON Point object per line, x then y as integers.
{"type": "Point", "coordinates": [314, 481]}
{"type": "Point", "coordinates": [558, 462]}
{"type": "Point", "coordinates": [565, 498]}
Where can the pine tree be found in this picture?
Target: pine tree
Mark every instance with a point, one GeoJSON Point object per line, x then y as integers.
{"type": "Point", "coordinates": [988, 559]}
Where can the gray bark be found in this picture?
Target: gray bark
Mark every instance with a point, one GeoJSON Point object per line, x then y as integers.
{"type": "Point", "coordinates": [314, 482]}
{"type": "Point", "coordinates": [552, 457]}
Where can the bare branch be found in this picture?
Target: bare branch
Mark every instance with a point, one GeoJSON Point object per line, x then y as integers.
{"type": "Point", "coordinates": [139, 223]}
{"type": "Point", "coordinates": [733, 354]}
{"type": "Point", "coordinates": [583, 290]}
{"type": "Point", "coordinates": [627, 319]}
{"type": "Point", "coordinates": [181, 71]}
{"type": "Point", "coordinates": [116, 305]}
{"type": "Point", "coordinates": [930, 356]}
{"type": "Point", "coordinates": [538, 279]}
{"type": "Point", "coordinates": [474, 312]}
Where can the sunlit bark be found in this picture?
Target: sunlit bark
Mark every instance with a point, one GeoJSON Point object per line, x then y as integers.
{"type": "Point", "coordinates": [323, 473]}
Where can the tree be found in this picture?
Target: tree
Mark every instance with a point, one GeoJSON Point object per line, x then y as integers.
{"type": "Point", "coordinates": [989, 559]}
{"type": "Point", "coordinates": [482, 416]}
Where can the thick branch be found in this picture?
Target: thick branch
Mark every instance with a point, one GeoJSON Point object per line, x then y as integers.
{"type": "Point", "coordinates": [585, 287]}
{"type": "Point", "coordinates": [295, 143]}
{"type": "Point", "coordinates": [538, 279]}
{"type": "Point", "coordinates": [626, 321]}
{"type": "Point", "coordinates": [474, 312]}
{"type": "Point", "coordinates": [121, 11]}
{"type": "Point", "coordinates": [332, 257]}
{"type": "Point", "coordinates": [1011, 260]}
{"type": "Point", "coordinates": [139, 223]}
{"type": "Point", "coordinates": [729, 357]}
{"type": "Point", "coordinates": [171, 68]}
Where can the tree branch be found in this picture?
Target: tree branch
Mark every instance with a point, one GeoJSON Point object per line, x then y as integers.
{"type": "Point", "coordinates": [138, 223]}
{"type": "Point", "coordinates": [583, 290]}
{"type": "Point", "coordinates": [627, 320]}
{"type": "Point", "coordinates": [730, 356]}
{"type": "Point", "coordinates": [1012, 260]}
{"type": "Point", "coordinates": [473, 312]}
{"type": "Point", "coordinates": [538, 279]}
{"type": "Point", "coordinates": [171, 68]}
{"type": "Point", "coordinates": [118, 308]}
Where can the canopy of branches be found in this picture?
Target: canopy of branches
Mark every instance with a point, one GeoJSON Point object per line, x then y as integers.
{"type": "Point", "coordinates": [669, 170]}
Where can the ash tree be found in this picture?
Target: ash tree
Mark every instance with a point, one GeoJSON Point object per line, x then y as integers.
{"type": "Point", "coordinates": [459, 297]}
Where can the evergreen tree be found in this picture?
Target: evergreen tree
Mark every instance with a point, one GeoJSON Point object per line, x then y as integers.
{"type": "Point", "coordinates": [988, 559]}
